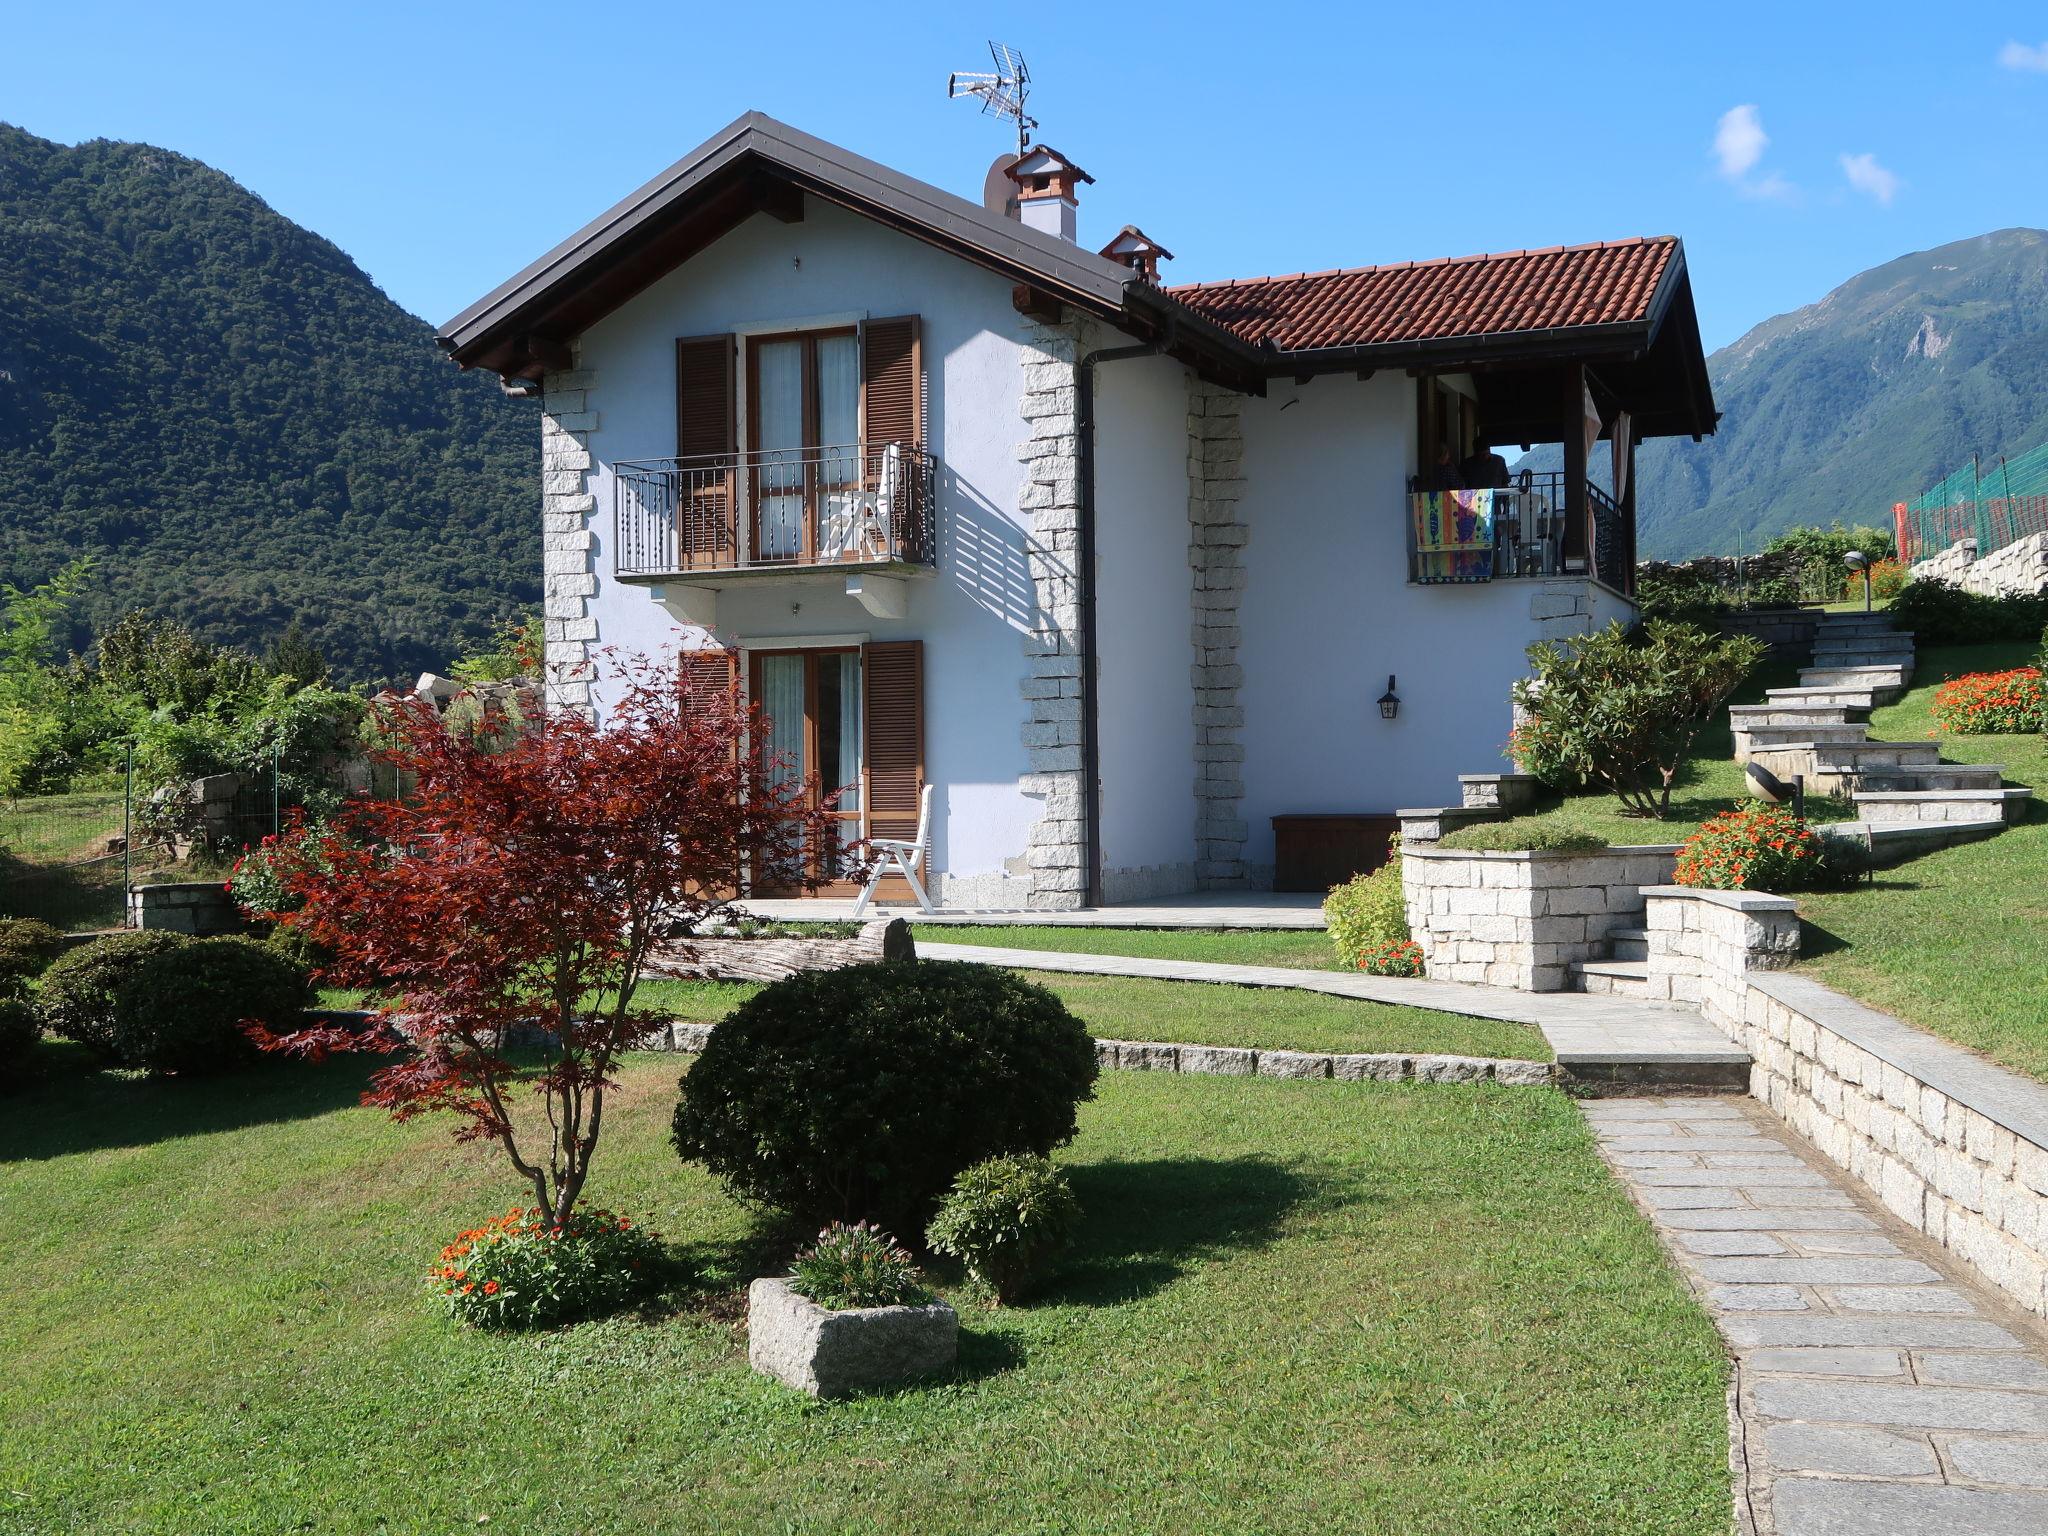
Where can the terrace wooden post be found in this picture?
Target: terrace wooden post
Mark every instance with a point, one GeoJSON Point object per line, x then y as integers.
{"type": "Point", "coordinates": [1577, 508]}
{"type": "Point", "coordinates": [1625, 578]}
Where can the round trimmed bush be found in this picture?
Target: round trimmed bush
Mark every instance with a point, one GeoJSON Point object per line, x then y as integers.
{"type": "Point", "coordinates": [860, 1094]}
{"type": "Point", "coordinates": [78, 995]}
{"type": "Point", "coordinates": [28, 948]}
{"type": "Point", "coordinates": [182, 1009]}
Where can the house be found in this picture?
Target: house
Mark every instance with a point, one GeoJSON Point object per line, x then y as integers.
{"type": "Point", "coordinates": [1122, 570]}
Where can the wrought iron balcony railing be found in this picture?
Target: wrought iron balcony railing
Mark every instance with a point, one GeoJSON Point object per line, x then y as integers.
{"type": "Point", "coordinates": [786, 508]}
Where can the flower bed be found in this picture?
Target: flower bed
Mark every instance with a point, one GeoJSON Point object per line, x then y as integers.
{"type": "Point", "coordinates": [519, 1271]}
{"type": "Point", "coordinates": [2010, 703]}
{"type": "Point", "coordinates": [1765, 848]}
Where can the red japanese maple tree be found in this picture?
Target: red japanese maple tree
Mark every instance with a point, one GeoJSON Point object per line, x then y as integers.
{"type": "Point", "coordinates": [507, 903]}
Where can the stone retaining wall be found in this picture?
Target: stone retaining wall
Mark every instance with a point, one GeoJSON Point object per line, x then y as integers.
{"type": "Point", "coordinates": [185, 906]}
{"type": "Point", "coordinates": [738, 959]}
{"type": "Point", "coordinates": [1952, 1145]}
{"type": "Point", "coordinates": [2019, 568]}
{"type": "Point", "coordinates": [1521, 919]}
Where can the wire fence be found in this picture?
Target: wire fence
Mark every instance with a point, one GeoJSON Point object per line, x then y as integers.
{"type": "Point", "coordinates": [1996, 504]}
{"type": "Point", "coordinates": [70, 859]}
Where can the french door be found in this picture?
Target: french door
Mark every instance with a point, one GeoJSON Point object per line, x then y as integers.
{"type": "Point", "coordinates": [814, 709]}
{"type": "Point", "coordinates": [803, 424]}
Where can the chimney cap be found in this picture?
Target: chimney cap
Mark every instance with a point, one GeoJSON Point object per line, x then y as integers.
{"type": "Point", "coordinates": [1137, 250]}
{"type": "Point", "coordinates": [1042, 171]}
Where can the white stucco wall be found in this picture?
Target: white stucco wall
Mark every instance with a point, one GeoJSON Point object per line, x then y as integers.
{"type": "Point", "coordinates": [1146, 720]}
{"type": "Point", "coordinates": [836, 266]}
{"type": "Point", "coordinates": [1328, 614]}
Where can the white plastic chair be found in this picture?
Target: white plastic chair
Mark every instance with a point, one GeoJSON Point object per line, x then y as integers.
{"type": "Point", "coordinates": [903, 857]}
{"type": "Point", "coordinates": [857, 522]}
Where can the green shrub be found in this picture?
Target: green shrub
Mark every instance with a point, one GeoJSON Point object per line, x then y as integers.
{"type": "Point", "coordinates": [27, 949]}
{"type": "Point", "coordinates": [1367, 910]}
{"type": "Point", "coordinates": [1559, 834]}
{"type": "Point", "coordinates": [1764, 847]}
{"type": "Point", "coordinates": [182, 1010]}
{"type": "Point", "coordinates": [79, 994]}
{"type": "Point", "coordinates": [298, 947]}
{"type": "Point", "coordinates": [857, 1266]}
{"type": "Point", "coordinates": [516, 1271]}
{"type": "Point", "coordinates": [1939, 614]}
{"type": "Point", "coordinates": [861, 1093]}
{"type": "Point", "coordinates": [1007, 1220]}
{"type": "Point", "coordinates": [19, 1031]}
{"type": "Point", "coordinates": [1621, 709]}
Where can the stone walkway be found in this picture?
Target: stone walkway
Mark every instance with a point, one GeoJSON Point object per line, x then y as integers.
{"type": "Point", "coordinates": [1591, 1036]}
{"type": "Point", "coordinates": [1879, 1391]}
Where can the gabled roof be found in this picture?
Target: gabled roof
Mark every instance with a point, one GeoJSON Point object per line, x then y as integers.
{"type": "Point", "coordinates": [752, 165]}
{"type": "Point", "coordinates": [1615, 283]}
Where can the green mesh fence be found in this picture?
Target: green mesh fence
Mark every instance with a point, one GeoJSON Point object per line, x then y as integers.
{"type": "Point", "coordinates": [1996, 503]}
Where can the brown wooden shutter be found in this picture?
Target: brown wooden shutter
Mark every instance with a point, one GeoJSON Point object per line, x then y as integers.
{"type": "Point", "coordinates": [891, 383]}
{"type": "Point", "coordinates": [707, 531]}
{"type": "Point", "coordinates": [892, 677]}
{"type": "Point", "coordinates": [708, 677]}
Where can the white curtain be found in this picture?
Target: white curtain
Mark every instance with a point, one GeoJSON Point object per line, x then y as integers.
{"type": "Point", "coordinates": [779, 399]}
{"type": "Point", "coordinates": [849, 727]}
{"type": "Point", "coordinates": [782, 700]}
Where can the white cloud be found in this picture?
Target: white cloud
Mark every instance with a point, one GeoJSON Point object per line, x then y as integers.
{"type": "Point", "coordinates": [2017, 55]}
{"type": "Point", "coordinates": [1870, 178]}
{"type": "Point", "coordinates": [1771, 188]}
{"type": "Point", "coordinates": [1739, 141]}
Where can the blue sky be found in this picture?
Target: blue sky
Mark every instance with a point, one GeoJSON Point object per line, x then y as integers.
{"type": "Point", "coordinates": [444, 145]}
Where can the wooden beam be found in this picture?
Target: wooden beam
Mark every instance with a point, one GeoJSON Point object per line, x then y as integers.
{"type": "Point", "coordinates": [781, 200]}
{"type": "Point", "coordinates": [1577, 506]}
{"type": "Point", "coordinates": [1036, 303]}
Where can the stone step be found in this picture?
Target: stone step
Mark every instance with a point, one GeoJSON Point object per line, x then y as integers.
{"type": "Point", "coordinates": [1759, 738]}
{"type": "Point", "coordinates": [1938, 806]}
{"type": "Point", "coordinates": [1930, 778]}
{"type": "Point", "coordinates": [1862, 656]}
{"type": "Point", "coordinates": [1628, 944]}
{"type": "Point", "coordinates": [1862, 699]}
{"type": "Point", "coordinates": [1882, 684]}
{"type": "Point", "coordinates": [1881, 623]}
{"type": "Point", "coordinates": [1613, 978]}
{"type": "Point", "coordinates": [1791, 712]}
{"type": "Point", "coordinates": [1508, 793]}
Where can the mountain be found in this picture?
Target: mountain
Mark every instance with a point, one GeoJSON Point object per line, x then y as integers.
{"type": "Point", "coordinates": [1866, 398]}
{"type": "Point", "coordinates": [238, 425]}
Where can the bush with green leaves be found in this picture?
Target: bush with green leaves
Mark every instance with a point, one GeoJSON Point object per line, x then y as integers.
{"type": "Point", "coordinates": [81, 992]}
{"type": "Point", "coordinates": [857, 1265]}
{"type": "Point", "coordinates": [1558, 834]}
{"type": "Point", "coordinates": [182, 1010]}
{"type": "Point", "coordinates": [1367, 910]}
{"type": "Point", "coordinates": [28, 947]}
{"type": "Point", "coordinates": [520, 1270]}
{"type": "Point", "coordinates": [861, 1093]}
{"type": "Point", "coordinates": [1007, 1220]}
{"type": "Point", "coordinates": [1621, 709]}
{"type": "Point", "coordinates": [19, 1031]}
{"type": "Point", "coordinates": [1765, 847]}
{"type": "Point", "coordinates": [1939, 614]}
{"type": "Point", "coordinates": [1820, 555]}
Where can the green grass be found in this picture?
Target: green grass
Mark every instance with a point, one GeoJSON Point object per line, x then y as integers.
{"type": "Point", "coordinates": [1299, 948]}
{"type": "Point", "coordinates": [1187, 1013]}
{"type": "Point", "coordinates": [1272, 1018]}
{"type": "Point", "coordinates": [1294, 1307]}
{"type": "Point", "coordinates": [1957, 941]}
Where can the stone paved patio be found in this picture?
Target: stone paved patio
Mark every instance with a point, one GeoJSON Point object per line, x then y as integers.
{"type": "Point", "coordinates": [1879, 1390]}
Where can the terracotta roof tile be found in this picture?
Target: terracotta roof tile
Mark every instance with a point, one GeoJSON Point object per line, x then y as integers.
{"type": "Point", "coordinates": [1604, 284]}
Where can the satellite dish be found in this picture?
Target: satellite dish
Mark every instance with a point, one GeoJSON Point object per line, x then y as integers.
{"type": "Point", "coordinates": [998, 192]}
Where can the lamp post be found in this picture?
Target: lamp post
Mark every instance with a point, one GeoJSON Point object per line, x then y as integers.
{"type": "Point", "coordinates": [1858, 566]}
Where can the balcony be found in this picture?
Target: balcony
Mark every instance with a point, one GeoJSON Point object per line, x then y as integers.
{"type": "Point", "coordinates": [811, 513]}
{"type": "Point", "coordinates": [1525, 530]}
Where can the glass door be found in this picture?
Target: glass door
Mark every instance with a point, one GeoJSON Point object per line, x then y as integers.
{"type": "Point", "coordinates": [812, 700]}
{"type": "Point", "coordinates": [804, 422]}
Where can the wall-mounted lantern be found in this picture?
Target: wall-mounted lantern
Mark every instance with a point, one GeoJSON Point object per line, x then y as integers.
{"type": "Point", "coordinates": [1390, 702]}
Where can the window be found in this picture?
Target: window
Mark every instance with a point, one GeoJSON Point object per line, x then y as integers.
{"type": "Point", "coordinates": [804, 420]}
{"type": "Point", "coordinates": [812, 700]}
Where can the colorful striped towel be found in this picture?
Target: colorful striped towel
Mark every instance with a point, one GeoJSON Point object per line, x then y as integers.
{"type": "Point", "coordinates": [1454, 535]}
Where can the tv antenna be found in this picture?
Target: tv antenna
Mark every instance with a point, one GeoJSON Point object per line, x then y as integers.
{"type": "Point", "coordinates": [1002, 93]}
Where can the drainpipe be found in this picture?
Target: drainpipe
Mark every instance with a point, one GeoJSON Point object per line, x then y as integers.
{"type": "Point", "coordinates": [1091, 737]}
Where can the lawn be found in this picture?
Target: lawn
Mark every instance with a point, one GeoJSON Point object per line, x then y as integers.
{"type": "Point", "coordinates": [1294, 1307]}
{"type": "Point", "coordinates": [1957, 941]}
{"type": "Point", "coordinates": [1197, 1013]}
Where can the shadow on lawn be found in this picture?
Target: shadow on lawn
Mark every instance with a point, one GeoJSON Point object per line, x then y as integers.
{"type": "Point", "coordinates": [72, 1105]}
{"type": "Point", "coordinates": [1147, 1222]}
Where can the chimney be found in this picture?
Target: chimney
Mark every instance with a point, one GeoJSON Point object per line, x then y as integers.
{"type": "Point", "coordinates": [1137, 250]}
{"type": "Point", "coordinates": [1046, 183]}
